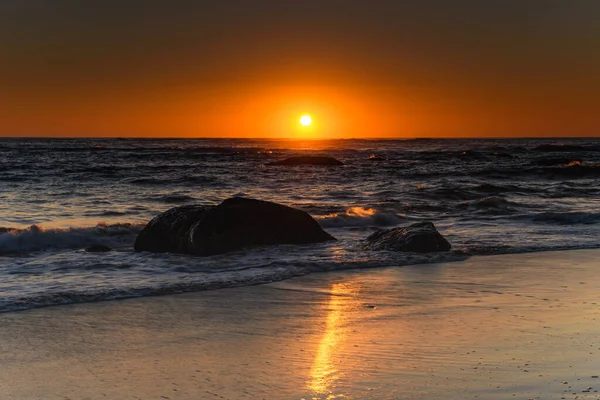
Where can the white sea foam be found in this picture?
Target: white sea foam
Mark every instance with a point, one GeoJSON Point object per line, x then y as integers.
{"type": "Point", "coordinates": [37, 238]}
{"type": "Point", "coordinates": [528, 207]}
{"type": "Point", "coordinates": [361, 217]}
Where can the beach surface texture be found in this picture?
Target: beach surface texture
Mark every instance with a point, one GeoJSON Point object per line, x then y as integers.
{"type": "Point", "coordinates": [521, 326]}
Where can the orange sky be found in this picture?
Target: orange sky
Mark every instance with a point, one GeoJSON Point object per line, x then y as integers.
{"type": "Point", "coordinates": [391, 69]}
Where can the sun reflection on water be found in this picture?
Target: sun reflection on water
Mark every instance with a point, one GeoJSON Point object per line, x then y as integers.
{"type": "Point", "coordinates": [327, 367]}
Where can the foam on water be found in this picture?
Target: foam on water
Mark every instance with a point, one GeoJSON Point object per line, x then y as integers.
{"type": "Point", "coordinates": [38, 238]}
{"type": "Point", "coordinates": [485, 196]}
{"type": "Point", "coordinates": [360, 217]}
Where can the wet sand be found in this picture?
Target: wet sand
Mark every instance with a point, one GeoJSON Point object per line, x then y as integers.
{"type": "Point", "coordinates": [521, 326]}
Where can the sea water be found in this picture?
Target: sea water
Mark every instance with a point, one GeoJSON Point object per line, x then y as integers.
{"type": "Point", "coordinates": [58, 196]}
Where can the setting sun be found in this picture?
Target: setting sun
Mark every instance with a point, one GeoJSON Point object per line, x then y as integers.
{"type": "Point", "coordinates": [305, 120]}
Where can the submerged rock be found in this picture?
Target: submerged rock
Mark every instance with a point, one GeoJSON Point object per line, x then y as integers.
{"type": "Point", "coordinates": [421, 237]}
{"type": "Point", "coordinates": [234, 224]}
{"type": "Point", "coordinates": [98, 248]}
{"type": "Point", "coordinates": [307, 160]}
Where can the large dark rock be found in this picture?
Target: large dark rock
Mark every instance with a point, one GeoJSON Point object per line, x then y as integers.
{"type": "Point", "coordinates": [168, 232]}
{"type": "Point", "coordinates": [421, 237]}
{"type": "Point", "coordinates": [307, 160]}
{"type": "Point", "coordinates": [234, 224]}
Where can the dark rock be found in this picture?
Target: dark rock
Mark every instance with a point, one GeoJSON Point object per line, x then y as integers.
{"type": "Point", "coordinates": [421, 237]}
{"type": "Point", "coordinates": [307, 160]}
{"type": "Point", "coordinates": [234, 224]}
{"type": "Point", "coordinates": [239, 222]}
{"type": "Point", "coordinates": [98, 248]}
{"type": "Point", "coordinates": [168, 232]}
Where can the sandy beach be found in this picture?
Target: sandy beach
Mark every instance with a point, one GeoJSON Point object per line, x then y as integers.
{"type": "Point", "coordinates": [498, 327]}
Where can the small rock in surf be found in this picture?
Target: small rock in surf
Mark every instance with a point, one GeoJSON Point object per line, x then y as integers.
{"type": "Point", "coordinates": [421, 237]}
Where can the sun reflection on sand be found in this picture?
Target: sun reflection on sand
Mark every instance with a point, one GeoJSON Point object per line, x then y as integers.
{"type": "Point", "coordinates": [326, 368]}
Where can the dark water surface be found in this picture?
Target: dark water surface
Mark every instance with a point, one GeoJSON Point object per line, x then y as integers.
{"type": "Point", "coordinates": [486, 196]}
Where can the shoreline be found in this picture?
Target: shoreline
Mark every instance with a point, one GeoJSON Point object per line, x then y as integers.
{"type": "Point", "coordinates": [487, 327]}
{"type": "Point", "coordinates": [189, 287]}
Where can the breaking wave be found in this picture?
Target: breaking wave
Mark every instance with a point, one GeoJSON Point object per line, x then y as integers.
{"type": "Point", "coordinates": [171, 284]}
{"type": "Point", "coordinates": [360, 217]}
{"type": "Point", "coordinates": [38, 238]}
{"type": "Point", "coordinates": [485, 196]}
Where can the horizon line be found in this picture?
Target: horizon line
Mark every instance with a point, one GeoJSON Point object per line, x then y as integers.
{"type": "Point", "coordinates": [300, 139]}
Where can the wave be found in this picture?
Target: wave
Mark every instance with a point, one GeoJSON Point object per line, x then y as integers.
{"type": "Point", "coordinates": [135, 149]}
{"type": "Point", "coordinates": [565, 148]}
{"type": "Point", "coordinates": [448, 193]}
{"type": "Point", "coordinates": [38, 238]}
{"type": "Point", "coordinates": [567, 218]}
{"type": "Point", "coordinates": [229, 150]}
{"type": "Point", "coordinates": [175, 198]}
{"type": "Point", "coordinates": [14, 178]}
{"type": "Point", "coordinates": [471, 192]}
{"type": "Point", "coordinates": [496, 250]}
{"type": "Point", "coordinates": [491, 205]}
{"type": "Point", "coordinates": [360, 217]}
{"type": "Point", "coordinates": [170, 279]}
{"type": "Point", "coordinates": [191, 179]}
{"type": "Point", "coordinates": [272, 272]}
{"type": "Point", "coordinates": [557, 161]}
{"type": "Point", "coordinates": [100, 169]}
{"type": "Point", "coordinates": [573, 170]}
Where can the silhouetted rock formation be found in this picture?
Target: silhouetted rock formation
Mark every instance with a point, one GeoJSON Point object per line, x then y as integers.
{"type": "Point", "coordinates": [421, 237]}
{"type": "Point", "coordinates": [307, 160]}
{"type": "Point", "coordinates": [169, 232]}
{"type": "Point", "coordinates": [234, 224]}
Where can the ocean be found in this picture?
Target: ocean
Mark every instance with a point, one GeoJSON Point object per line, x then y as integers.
{"type": "Point", "coordinates": [59, 196]}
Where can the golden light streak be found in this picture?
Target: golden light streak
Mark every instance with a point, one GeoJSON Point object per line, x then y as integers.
{"type": "Point", "coordinates": [325, 370]}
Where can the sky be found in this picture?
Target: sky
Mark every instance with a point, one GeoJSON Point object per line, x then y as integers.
{"type": "Point", "coordinates": [241, 68]}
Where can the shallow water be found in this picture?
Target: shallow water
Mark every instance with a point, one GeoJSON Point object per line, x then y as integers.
{"type": "Point", "coordinates": [485, 196]}
{"type": "Point", "coordinates": [492, 327]}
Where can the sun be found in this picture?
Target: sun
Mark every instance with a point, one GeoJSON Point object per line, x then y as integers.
{"type": "Point", "coordinates": [305, 120]}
